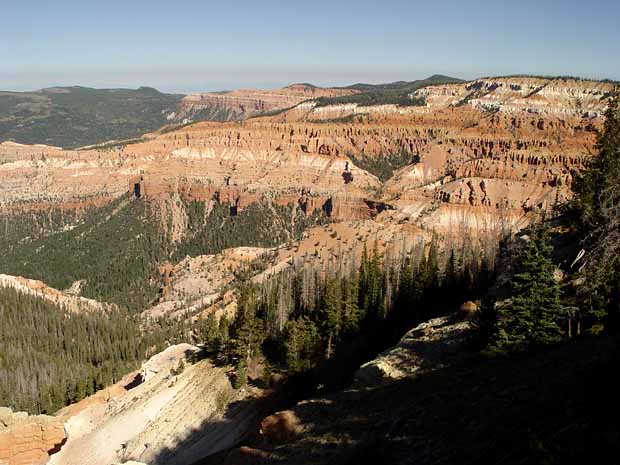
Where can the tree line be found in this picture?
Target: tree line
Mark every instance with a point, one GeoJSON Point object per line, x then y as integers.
{"type": "Point", "coordinates": [51, 357]}
{"type": "Point", "coordinates": [115, 250]}
{"type": "Point", "coordinates": [306, 322]}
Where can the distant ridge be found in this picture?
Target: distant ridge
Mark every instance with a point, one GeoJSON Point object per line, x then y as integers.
{"type": "Point", "coordinates": [76, 116]}
{"type": "Point", "coordinates": [550, 77]}
{"type": "Point", "coordinates": [391, 93]}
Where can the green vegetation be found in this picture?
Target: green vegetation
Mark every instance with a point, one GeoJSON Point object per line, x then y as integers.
{"type": "Point", "coordinates": [485, 324]}
{"type": "Point", "coordinates": [275, 112]}
{"type": "Point", "coordinates": [77, 116]}
{"type": "Point", "coordinates": [50, 357]}
{"type": "Point", "coordinates": [396, 93]}
{"type": "Point", "coordinates": [539, 310]}
{"type": "Point", "coordinates": [260, 225]}
{"type": "Point", "coordinates": [27, 227]}
{"type": "Point", "coordinates": [383, 166]}
{"type": "Point", "coordinates": [550, 77]}
{"type": "Point", "coordinates": [115, 249]}
{"type": "Point", "coordinates": [541, 394]}
{"type": "Point", "coordinates": [556, 406]}
{"type": "Point", "coordinates": [545, 394]}
{"type": "Point", "coordinates": [216, 113]}
{"type": "Point", "coordinates": [596, 215]}
{"type": "Point", "coordinates": [319, 328]}
{"type": "Point", "coordinates": [535, 307]}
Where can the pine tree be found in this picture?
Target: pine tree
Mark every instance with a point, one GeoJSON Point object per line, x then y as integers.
{"type": "Point", "coordinates": [249, 328]}
{"type": "Point", "coordinates": [209, 333]}
{"type": "Point", "coordinates": [598, 204]}
{"type": "Point", "coordinates": [223, 330]}
{"type": "Point", "coordinates": [432, 265]}
{"type": "Point", "coordinates": [363, 279]}
{"type": "Point", "coordinates": [602, 171]}
{"type": "Point", "coordinates": [450, 278]}
{"type": "Point", "coordinates": [371, 289]}
{"type": "Point", "coordinates": [409, 290]}
{"type": "Point", "coordinates": [301, 344]}
{"type": "Point", "coordinates": [536, 306]}
{"type": "Point", "coordinates": [241, 376]}
{"type": "Point", "coordinates": [352, 314]}
{"type": "Point", "coordinates": [250, 338]}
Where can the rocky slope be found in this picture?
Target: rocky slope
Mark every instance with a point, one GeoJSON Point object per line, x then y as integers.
{"type": "Point", "coordinates": [200, 286]}
{"type": "Point", "coordinates": [80, 116]}
{"type": "Point", "coordinates": [432, 345]}
{"type": "Point", "coordinates": [66, 299]}
{"type": "Point", "coordinates": [244, 103]}
{"type": "Point", "coordinates": [479, 410]}
{"type": "Point", "coordinates": [559, 96]}
{"type": "Point", "coordinates": [162, 414]}
{"type": "Point", "coordinates": [478, 158]}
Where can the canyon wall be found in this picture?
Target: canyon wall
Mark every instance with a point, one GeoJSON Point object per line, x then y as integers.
{"type": "Point", "coordinates": [481, 153]}
{"type": "Point", "coordinates": [481, 158]}
{"type": "Point", "coordinates": [243, 103]}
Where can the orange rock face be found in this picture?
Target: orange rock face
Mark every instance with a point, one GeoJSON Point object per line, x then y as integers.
{"type": "Point", "coordinates": [26, 440]}
{"type": "Point", "coordinates": [246, 102]}
{"type": "Point", "coordinates": [473, 167]}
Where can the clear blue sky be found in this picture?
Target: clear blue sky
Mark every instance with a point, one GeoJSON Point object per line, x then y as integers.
{"type": "Point", "coordinates": [188, 45]}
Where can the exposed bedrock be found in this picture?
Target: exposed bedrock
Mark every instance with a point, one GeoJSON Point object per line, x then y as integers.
{"type": "Point", "coordinates": [29, 440]}
{"type": "Point", "coordinates": [175, 410]}
{"type": "Point", "coordinates": [461, 157]}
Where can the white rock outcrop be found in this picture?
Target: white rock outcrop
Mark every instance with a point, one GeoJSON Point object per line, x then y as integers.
{"type": "Point", "coordinates": [429, 346]}
{"type": "Point", "coordinates": [166, 415]}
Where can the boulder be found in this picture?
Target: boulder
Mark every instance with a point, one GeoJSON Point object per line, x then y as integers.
{"type": "Point", "coordinates": [281, 427]}
{"type": "Point", "coordinates": [467, 310]}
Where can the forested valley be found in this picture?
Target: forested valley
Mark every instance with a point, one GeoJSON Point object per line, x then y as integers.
{"type": "Point", "coordinates": [51, 357]}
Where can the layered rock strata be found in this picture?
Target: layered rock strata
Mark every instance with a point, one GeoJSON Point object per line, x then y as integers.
{"type": "Point", "coordinates": [174, 410]}
{"type": "Point", "coordinates": [242, 103]}
{"type": "Point", "coordinates": [471, 167]}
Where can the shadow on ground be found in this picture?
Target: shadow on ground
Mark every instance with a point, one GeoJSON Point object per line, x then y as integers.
{"type": "Point", "coordinates": [557, 406]}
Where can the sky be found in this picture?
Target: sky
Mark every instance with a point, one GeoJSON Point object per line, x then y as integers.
{"type": "Point", "coordinates": [194, 45]}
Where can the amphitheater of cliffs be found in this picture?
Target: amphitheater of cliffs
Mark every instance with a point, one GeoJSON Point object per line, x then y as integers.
{"type": "Point", "coordinates": [481, 152]}
{"type": "Point", "coordinates": [482, 156]}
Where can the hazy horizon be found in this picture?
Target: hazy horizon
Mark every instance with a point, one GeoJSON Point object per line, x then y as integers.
{"type": "Point", "coordinates": [202, 46]}
{"type": "Point", "coordinates": [207, 85]}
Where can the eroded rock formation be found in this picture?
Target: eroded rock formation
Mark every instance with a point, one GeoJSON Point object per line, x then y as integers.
{"type": "Point", "coordinates": [73, 303]}
{"type": "Point", "coordinates": [431, 345]}
{"type": "Point", "coordinates": [471, 168]}
{"type": "Point", "coordinates": [29, 440]}
{"type": "Point", "coordinates": [161, 414]}
{"type": "Point", "coordinates": [242, 103]}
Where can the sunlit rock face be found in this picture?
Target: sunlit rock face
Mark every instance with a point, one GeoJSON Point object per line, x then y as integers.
{"type": "Point", "coordinates": [28, 440]}
{"type": "Point", "coordinates": [242, 103]}
{"type": "Point", "coordinates": [170, 411]}
{"type": "Point", "coordinates": [483, 155]}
